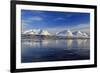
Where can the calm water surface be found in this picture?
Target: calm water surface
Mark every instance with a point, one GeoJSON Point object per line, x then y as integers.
{"type": "Point", "coordinates": [55, 50]}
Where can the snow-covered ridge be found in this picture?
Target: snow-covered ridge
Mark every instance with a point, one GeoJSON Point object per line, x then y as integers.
{"type": "Point", "coordinates": [36, 32]}
{"type": "Point", "coordinates": [64, 33]}
{"type": "Point", "coordinates": [67, 33]}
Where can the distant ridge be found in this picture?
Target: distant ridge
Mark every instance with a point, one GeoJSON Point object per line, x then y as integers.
{"type": "Point", "coordinates": [61, 35]}
{"type": "Point", "coordinates": [67, 33]}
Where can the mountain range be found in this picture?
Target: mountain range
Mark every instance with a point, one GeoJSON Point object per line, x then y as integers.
{"type": "Point", "coordinates": [64, 33]}
{"type": "Point", "coordinates": [36, 32]}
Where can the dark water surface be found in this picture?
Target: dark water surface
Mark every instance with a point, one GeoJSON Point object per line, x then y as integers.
{"type": "Point", "coordinates": [55, 50]}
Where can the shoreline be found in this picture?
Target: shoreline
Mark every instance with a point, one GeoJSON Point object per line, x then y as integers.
{"type": "Point", "coordinates": [54, 37]}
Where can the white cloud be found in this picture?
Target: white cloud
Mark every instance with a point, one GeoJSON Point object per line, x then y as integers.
{"type": "Point", "coordinates": [24, 23]}
{"type": "Point", "coordinates": [35, 18]}
{"type": "Point", "coordinates": [80, 27]}
{"type": "Point", "coordinates": [27, 21]}
{"type": "Point", "coordinates": [59, 18]}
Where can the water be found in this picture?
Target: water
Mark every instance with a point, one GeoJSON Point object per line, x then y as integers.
{"type": "Point", "coordinates": [55, 50]}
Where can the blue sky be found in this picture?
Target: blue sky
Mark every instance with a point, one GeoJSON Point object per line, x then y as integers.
{"type": "Point", "coordinates": [54, 21]}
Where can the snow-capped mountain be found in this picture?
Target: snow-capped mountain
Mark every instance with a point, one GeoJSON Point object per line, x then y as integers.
{"type": "Point", "coordinates": [36, 32]}
{"type": "Point", "coordinates": [61, 34]}
{"type": "Point", "coordinates": [77, 34]}
{"type": "Point", "coordinates": [29, 32]}
{"type": "Point", "coordinates": [80, 34]}
{"type": "Point", "coordinates": [85, 35]}
{"type": "Point", "coordinates": [67, 33]}
{"type": "Point", "coordinates": [43, 32]}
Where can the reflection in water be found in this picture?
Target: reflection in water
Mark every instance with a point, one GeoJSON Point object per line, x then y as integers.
{"type": "Point", "coordinates": [55, 50]}
{"type": "Point", "coordinates": [44, 42]}
{"type": "Point", "coordinates": [69, 42]}
{"type": "Point", "coordinates": [79, 42]}
{"type": "Point", "coordinates": [82, 42]}
{"type": "Point", "coordinates": [85, 42]}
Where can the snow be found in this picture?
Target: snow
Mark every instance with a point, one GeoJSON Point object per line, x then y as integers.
{"type": "Point", "coordinates": [65, 33]}
{"type": "Point", "coordinates": [36, 32]}
{"type": "Point", "coordinates": [44, 32]}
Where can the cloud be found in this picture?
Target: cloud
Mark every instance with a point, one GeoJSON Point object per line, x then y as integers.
{"type": "Point", "coordinates": [35, 18]}
{"type": "Point", "coordinates": [66, 16]}
{"type": "Point", "coordinates": [31, 19]}
{"type": "Point", "coordinates": [59, 18]}
{"type": "Point", "coordinates": [26, 21]}
{"type": "Point", "coordinates": [24, 25]}
{"type": "Point", "coordinates": [79, 27]}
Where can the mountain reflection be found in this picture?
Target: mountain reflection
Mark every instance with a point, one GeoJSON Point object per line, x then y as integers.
{"type": "Point", "coordinates": [56, 43]}
{"type": "Point", "coordinates": [54, 50]}
{"type": "Point", "coordinates": [82, 42]}
{"type": "Point", "coordinates": [79, 42]}
{"type": "Point", "coordinates": [69, 43]}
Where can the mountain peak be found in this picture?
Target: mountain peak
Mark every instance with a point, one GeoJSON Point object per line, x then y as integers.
{"type": "Point", "coordinates": [65, 33]}
{"type": "Point", "coordinates": [44, 32]}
